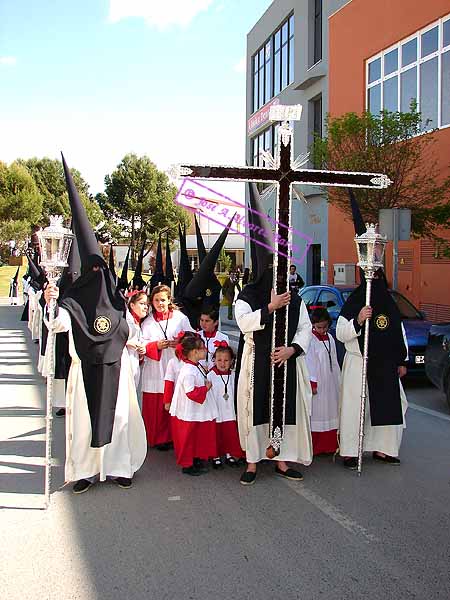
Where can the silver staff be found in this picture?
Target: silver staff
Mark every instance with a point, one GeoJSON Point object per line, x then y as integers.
{"type": "Point", "coordinates": [54, 241]}
{"type": "Point", "coordinates": [370, 247]}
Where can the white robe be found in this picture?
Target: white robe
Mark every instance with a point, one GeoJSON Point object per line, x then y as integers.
{"type": "Point", "coordinates": [225, 408]}
{"type": "Point", "coordinates": [128, 448]}
{"type": "Point", "coordinates": [385, 438]}
{"type": "Point", "coordinates": [183, 407]}
{"type": "Point", "coordinates": [297, 443]}
{"type": "Point", "coordinates": [208, 363]}
{"type": "Point", "coordinates": [325, 404]}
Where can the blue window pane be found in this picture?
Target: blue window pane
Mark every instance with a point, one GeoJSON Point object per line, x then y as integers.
{"type": "Point", "coordinates": [268, 139]}
{"type": "Point", "coordinates": [429, 42]}
{"type": "Point", "coordinates": [284, 66]}
{"type": "Point", "coordinates": [255, 63]}
{"type": "Point", "coordinates": [409, 52]}
{"type": "Point", "coordinates": [391, 62]}
{"type": "Point", "coordinates": [408, 89]}
{"type": "Point", "coordinates": [277, 40]}
{"type": "Point", "coordinates": [374, 99]}
{"type": "Point", "coordinates": [284, 33]}
{"type": "Point", "coordinates": [429, 93]}
{"type": "Point", "coordinates": [291, 60]}
{"type": "Point", "coordinates": [374, 70]}
{"type": "Point", "coordinates": [260, 147]}
{"type": "Point", "coordinates": [255, 92]}
{"type": "Point", "coordinates": [268, 94]}
{"type": "Point", "coordinates": [261, 57]}
{"type": "Point", "coordinates": [277, 74]}
{"type": "Point", "coordinates": [291, 26]}
{"type": "Point", "coordinates": [445, 89]}
{"type": "Point", "coordinates": [261, 87]}
{"type": "Point", "coordinates": [446, 33]}
{"type": "Point", "coordinates": [390, 94]}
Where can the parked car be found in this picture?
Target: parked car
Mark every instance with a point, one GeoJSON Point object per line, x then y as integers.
{"type": "Point", "coordinates": [437, 358]}
{"type": "Point", "coordinates": [416, 325]}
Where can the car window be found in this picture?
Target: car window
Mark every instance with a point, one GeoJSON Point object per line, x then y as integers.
{"type": "Point", "coordinates": [308, 297]}
{"type": "Point", "coordinates": [330, 301]}
{"type": "Point", "coordinates": [407, 310]}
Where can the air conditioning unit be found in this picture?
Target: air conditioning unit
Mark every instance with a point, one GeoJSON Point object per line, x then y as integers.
{"type": "Point", "coordinates": [344, 274]}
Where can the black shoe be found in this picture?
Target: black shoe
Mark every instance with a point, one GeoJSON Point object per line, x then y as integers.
{"type": "Point", "coordinates": [390, 460]}
{"type": "Point", "coordinates": [124, 482]}
{"type": "Point", "coordinates": [200, 466]}
{"type": "Point", "coordinates": [217, 463]}
{"type": "Point", "coordinates": [164, 447]}
{"type": "Point", "coordinates": [248, 477]}
{"type": "Point", "coordinates": [191, 471]}
{"type": "Point", "coordinates": [231, 461]}
{"type": "Point", "coordinates": [61, 412]}
{"type": "Point", "coordinates": [351, 463]}
{"type": "Point", "coordinates": [289, 474]}
{"type": "Point", "coordinates": [81, 486]}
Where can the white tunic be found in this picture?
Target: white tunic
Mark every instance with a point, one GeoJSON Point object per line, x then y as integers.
{"type": "Point", "coordinates": [297, 443]}
{"type": "Point", "coordinates": [208, 363]}
{"type": "Point", "coordinates": [128, 448]}
{"type": "Point", "coordinates": [325, 404]}
{"type": "Point", "coordinates": [153, 371]}
{"type": "Point", "coordinates": [173, 369]}
{"type": "Point", "coordinates": [135, 338]}
{"type": "Point", "coordinates": [183, 407]}
{"type": "Point", "coordinates": [225, 408]}
{"type": "Point", "coordinates": [386, 438]}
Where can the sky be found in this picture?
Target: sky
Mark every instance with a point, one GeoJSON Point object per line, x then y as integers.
{"type": "Point", "coordinates": [100, 78]}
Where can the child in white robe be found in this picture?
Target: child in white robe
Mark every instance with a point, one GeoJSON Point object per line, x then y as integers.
{"type": "Point", "coordinates": [324, 375]}
{"type": "Point", "coordinates": [193, 411]}
{"type": "Point", "coordinates": [221, 377]}
{"type": "Point", "coordinates": [173, 369]}
{"type": "Point", "coordinates": [209, 323]}
{"type": "Point", "coordinates": [137, 311]}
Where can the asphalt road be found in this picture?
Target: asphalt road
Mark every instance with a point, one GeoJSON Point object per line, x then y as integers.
{"type": "Point", "coordinates": [384, 535]}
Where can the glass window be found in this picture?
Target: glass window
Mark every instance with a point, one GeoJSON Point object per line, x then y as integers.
{"type": "Point", "coordinates": [390, 94]}
{"type": "Point", "coordinates": [261, 88]}
{"type": "Point", "coordinates": [446, 33]}
{"type": "Point", "coordinates": [374, 99]}
{"type": "Point", "coordinates": [255, 151]}
{"type": "Point", "coordinates": [291, 26]}
{"type": "Point", "coordinates": [260, 147]}
{"type": "Point", "coordinates": [291, 60]}
{"type": "Point", "coordinates": [317, 30]}
{"type": "Point", "coordinates": [390, 62]}
{"type": "Point", "coordinates": [285, 33]}
{"type": "Point", "coordinates": [429, 94]}
{"type": "Point", "coordinates": [409, 52]}
{"type": "Point", "coordinates": [277, 73]}
{"type": "Point", "coordinates": [375, 70]}
{"type": "Point", "coordinates": [284, 66]}
{"type": "Point", "coordinates": [408, 89]}
{"type": "Point", "coordinates": [268, 74]}
{"type": "Point", "coordinates": [445, 88]}
{"type": "Point", "coordinates": [255, 91]}
{"type": "Point", "coordinates": [268, 139]}
{"type": "Point", "coordinates": [277, 40]}
{"type": "Point", "coordinates": [429, 42]}
{"type": "Point", "coordinates": [330, 301]}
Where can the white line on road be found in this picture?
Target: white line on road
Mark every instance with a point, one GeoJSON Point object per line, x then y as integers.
{"type": "Point", "coordinates": [429, 411]}
{"type": "Point", "coordinates": [332, 512]}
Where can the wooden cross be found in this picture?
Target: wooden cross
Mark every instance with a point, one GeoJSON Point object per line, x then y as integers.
{"type": "Point", "coordinates": [283, 171]}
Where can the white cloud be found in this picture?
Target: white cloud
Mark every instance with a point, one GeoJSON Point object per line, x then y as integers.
{"type": "Point", "coordinates": [241, 66]}
{"type": "Point", "coordinates": [157, 13]}
{"type": "Point", "coordinates": [8, 60]}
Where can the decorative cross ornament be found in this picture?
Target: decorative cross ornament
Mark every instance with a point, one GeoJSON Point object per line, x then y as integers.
{"type": "Point", "coordinates": [282, 171]}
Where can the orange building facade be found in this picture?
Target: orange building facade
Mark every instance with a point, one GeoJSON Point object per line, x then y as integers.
{"type": "Point", "coordinates": [360, 33]}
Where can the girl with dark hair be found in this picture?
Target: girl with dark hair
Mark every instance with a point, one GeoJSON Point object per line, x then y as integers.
{"type": "Point", "coordinates": [193, 411]}
{"type": "Point", "coordinates": [137, 311]}
{"type": "Point", "coordinates": [209, 324]}
{"type": "Point", "coordinates": [221, 377]}
{"type": "Point", "coordinates": [159, 331]}
{"type": "Point", "coordinates": [173, 369]}
{"type": "Point", "coordinates": [324, 375]}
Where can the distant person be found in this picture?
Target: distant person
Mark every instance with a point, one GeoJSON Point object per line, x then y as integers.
{"type": "Point", "coordinates": [228, 291]}
{"type": "Point", "coordinates": [246, 276]}
{"type": "Point", "coordinates": [295, 281]}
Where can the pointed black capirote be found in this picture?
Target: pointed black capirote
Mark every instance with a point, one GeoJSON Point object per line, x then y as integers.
{"type": "Point", "coordinates": [122, 283]}
{"type": "Point", "coordinates": [158, 276]}
{"type": "Point", "coordinates": [260, 232]}
{"type": "Point", "coordinates": [72, 271]}
{"type": "Point", "coordinates": [111, 263]}
{"type": "Point", "coordinates": [16, 276]}
{"type": "Point", "coordinates": [169, 268]}
{"type": "Point", "coordinates": [201, 250]}
{"type": "Point", "coordinates": [184, 270]}
{"type": "Point", "coordinates": [138, 281]}
{"type": "Point", "coordinates": [358, 221]}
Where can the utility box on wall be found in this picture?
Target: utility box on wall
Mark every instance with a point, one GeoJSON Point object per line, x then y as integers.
{"type": "Point", "coordinates": [344, 274]}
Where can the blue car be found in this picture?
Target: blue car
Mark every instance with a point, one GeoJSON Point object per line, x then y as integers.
{"type": "Point", "coordinates": [416, 326]}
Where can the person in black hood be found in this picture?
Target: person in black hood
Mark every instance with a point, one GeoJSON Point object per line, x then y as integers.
{"type": "Point", "coordinates": [106, 435]}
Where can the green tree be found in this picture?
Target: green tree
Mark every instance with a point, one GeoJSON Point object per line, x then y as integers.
{"type": "Point", "coordinates": [20, 203]}
{"type": "Point", "coordinates": [141, 199]}
{"type": "Point", "coordinates": [391, 143]}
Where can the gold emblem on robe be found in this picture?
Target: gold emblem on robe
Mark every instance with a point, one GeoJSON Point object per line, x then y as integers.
{"type": "Point", "coordinates": [382, 322]}
{"type": "Point", "coordinates": [102, 324]}
{"type": "Point", "coordinates": [208, 292]}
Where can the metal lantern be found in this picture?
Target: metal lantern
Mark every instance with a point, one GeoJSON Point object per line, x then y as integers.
{"type": "Point", "coordinates": [370, 247]}
{"type": "Point", "coordinates": [55, 242]}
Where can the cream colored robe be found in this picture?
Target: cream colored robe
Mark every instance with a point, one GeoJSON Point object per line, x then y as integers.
{"type": "Point", "coordinates": [297, 444]}
{"type": "Point", "coordinates": [385, 438]}
{"type": "Point", "coordinates": [128, 448]}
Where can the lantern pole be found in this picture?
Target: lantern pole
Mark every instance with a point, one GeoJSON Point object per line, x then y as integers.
{"type": "Point", "coordinates": [370, 247]}
{"type": "Point", "coordinates": [54, 242]}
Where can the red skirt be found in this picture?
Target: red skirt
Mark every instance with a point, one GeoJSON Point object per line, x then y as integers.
{"type": "Point", "coordinates": [193, 439]}
{"type": "Point", "coordinates": [228, 439]}
{"type": "Point", "coordinates": [324, 442]}
{"type": "Point", "coordinates": [156, 419]}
